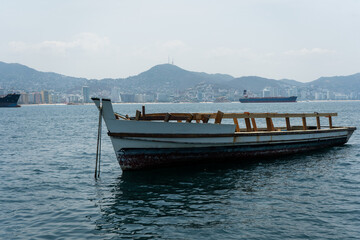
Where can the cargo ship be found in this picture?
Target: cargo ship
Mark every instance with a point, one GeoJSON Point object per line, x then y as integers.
{"type": "Point", "coordinates": [10, 100]}
{"type": "Point", "coordinates": [268, 99]}
{"type": "Point", "coordinates": [246, 99]}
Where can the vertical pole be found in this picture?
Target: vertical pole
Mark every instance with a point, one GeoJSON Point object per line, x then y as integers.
{"type": "Point", "coordinates": [237, 129]}
{"type": "Point", "coordinates": [98, 147]}
{"type": "Point", "coordinates": [137, 115]}
{"type": "Point", "coordinates": [219, 116]}
{"type": "Point", "coordinates": [330, 123]}
{"type": "Point", "coordinates": [318, 122]}
{"type": "Point", "coordinates": [272, 125]}
{"type": "Point", "coordinates": [288, 126]}
{"type": "Point", "coordinates": [254, 124]}
{"type": "Point", "coordinates": [167, 117]}
{"type": "Point", "coordinates": [143, 111]}
{"type": "Point", "coordinates": [248, 124]}
{"type": "Point", "coordinates": [205, 118]}
{"type": "Point", "coordinates": [268, 124]}
{"type": "Point", "coordinates": [304, 123]}
{"type": "Point", "coordinates": [190, 118]}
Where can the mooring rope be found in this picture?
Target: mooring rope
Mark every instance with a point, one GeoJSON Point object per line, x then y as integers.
{"type": "Point", "coordinates": [98, 148]}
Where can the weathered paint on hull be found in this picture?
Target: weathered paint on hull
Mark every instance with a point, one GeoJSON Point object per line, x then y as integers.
{"type": "Point", "coordinates": [135, 159]}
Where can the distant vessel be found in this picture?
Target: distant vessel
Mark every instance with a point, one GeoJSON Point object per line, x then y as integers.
{"type": "Point", "coordinates": [246, 99]}
{"type": "Point", "coordinates": [10, 100]}
{"type": "Point", "coordinates": [221, 100]}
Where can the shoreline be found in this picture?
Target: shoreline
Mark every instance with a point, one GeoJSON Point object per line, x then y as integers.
{"type": "Point", "coordinates": [118, 103]}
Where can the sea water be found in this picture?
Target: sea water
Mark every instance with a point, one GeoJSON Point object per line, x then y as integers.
{"type": "Point", "coordinates": [48, 190]}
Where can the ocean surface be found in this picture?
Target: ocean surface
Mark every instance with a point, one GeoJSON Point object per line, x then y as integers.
{"type": "Point", "coordinates": [48, 190]}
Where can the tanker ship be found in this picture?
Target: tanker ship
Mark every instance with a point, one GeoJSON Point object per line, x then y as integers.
{"type": "Point", "coordinates": [10, 100]}
{"type": "Point", "coordinates": [246, 99]}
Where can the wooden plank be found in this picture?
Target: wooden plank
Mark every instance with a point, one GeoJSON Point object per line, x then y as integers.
{"type": "Point", "coordinates": [248, 124]}
{"type": "Point", "coordinates": [269, 124]}
{"type": "Point", "coordinates": [137, 115]}
{"type": "Point", "coordinates": [205, 118]}
{"type": "Point", "coordinates": [219, 116]}
{"type": "Point", "coordinates": [330, 122]}
{"type": "Point", "coordinates": [167, 117]}
{"type": "Point", "coordinates": [237, 128]}
{"type": "Point", "coordinates": [253, 121]}
{"type": "Point", "coordinates": [118, 116]}
{"type": "Point", "coordinates": [318, 122]}
{"type": "Point", "coordinates": [288, 126]}
{"type": "Point", "coordinates": [276, 115]}
{"type": "Point", "coordinates": [304, 123]}
{"type": "Point", "coordinates": [189, 118]}
{"type": "Point", "coordinates": [272, 125]}
{"type": "Point", "coordinates": [248, 115]}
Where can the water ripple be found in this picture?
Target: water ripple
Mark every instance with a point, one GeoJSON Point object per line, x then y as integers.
{"type": "Point", "coordinates": [48, 190]}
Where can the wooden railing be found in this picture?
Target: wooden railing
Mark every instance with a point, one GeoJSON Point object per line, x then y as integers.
{"type": "Point", "coordinates": [249, 118]}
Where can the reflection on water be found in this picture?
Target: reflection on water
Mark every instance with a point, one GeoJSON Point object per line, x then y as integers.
{"type": "Point", "coordinates": [48, 191]}
{"type": "Point", "coordinates": [224, 200]}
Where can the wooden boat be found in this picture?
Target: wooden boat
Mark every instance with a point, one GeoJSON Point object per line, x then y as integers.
{"type": "Point", "coordinates": [169, 139]}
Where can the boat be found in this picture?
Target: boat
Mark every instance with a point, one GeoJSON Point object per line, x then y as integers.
{"type": "Point", "coordinates": [247, 99]}
{"type": "Point", "coordinates": [10, 100]}
{"type": "Point", "coordinates": [268, 99]}
{"type": "Point", "coordinates": [152, 140]}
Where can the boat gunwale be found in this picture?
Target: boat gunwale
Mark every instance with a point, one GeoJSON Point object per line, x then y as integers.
{"type": "Point", "coordinates": [235, 134]}
{"type": "Point", "coordinates": [200, 116]}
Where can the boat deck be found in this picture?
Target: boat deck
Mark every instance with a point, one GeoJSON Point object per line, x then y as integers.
{"type": "Point", "coordinates": [247, 117]}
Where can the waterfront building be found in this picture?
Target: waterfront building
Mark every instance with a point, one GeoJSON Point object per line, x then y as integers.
{"type": "Point", "coordinates": [266, 92]}
{"type": "Point", "coordinates": [24, 98]}
{"type": "Point", "coordinates": [86, 94]}
{"type": "Point", "coordinates": [45, 96]}
{"type": "Point", "coordinates": [126, 97]}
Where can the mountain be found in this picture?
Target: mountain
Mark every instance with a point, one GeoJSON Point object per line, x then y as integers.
{"type": "Point", "coordinates": [166, 78]}
{"type": "Point", "coordinates": [292, 82]}
{"type": "Point", "coordinates": [160, 78]}
{"type": "Point", "coordinates": [257, 84]}
{"type": "Point", "coordinates": [343, 84]}
{"type": "Point", "coordinates": [19, 77]}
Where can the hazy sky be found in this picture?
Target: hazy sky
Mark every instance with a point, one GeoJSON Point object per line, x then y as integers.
{"type": "Point", "coordinates": [294, 39]}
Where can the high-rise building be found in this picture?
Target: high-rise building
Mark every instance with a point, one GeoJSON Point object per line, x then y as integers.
{"type": "Point", "coordinates": [24, 98]}
{"type": "Point", "coordinates": [35, 98]}
{"type": "Point", "coordinates": [86, 94]}
{"type": "Point", "coordinates": [115, 94]}
{"type": "Point", "coordinates": [45, 96]}
{"type": "Point", "coordinates": [126, 97]}
{"type": "Point", "coordinates": [266, 92]}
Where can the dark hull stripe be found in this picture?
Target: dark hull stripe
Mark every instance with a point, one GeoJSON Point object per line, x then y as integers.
{"type": "Point", "coordinates": [134, 159]}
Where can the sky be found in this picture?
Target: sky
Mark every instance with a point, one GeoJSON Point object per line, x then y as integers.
{"type": "Point", "coordinates": [278, 39]}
